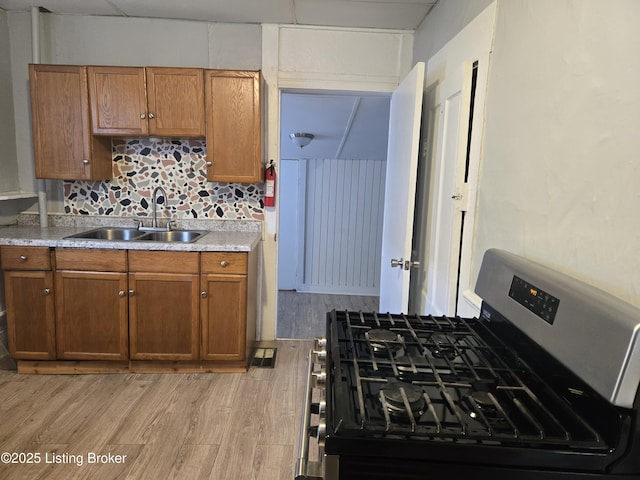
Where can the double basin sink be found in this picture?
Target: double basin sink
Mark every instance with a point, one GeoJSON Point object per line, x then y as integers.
{"type": "Point", "coordinates": [134, 234]}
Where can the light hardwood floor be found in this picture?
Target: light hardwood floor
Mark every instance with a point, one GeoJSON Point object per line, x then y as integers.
{"type": "Point", "coordinates": [303, 315]}
{"type": "Point", "coordinates": [170, 426]}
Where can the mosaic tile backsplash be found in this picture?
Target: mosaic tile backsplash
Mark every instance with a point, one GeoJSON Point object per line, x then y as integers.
{"type": "Point", "coordinates": [176, 165]}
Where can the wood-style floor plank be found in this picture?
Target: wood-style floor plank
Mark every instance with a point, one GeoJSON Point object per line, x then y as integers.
{"type": "Point", "coordinates": [175, 426]}
{"type": "Point", "coordinates": [304, 315]}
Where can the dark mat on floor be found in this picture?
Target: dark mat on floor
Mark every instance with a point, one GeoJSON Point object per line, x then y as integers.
{"type": "Point", "coordinates": [264, 357]}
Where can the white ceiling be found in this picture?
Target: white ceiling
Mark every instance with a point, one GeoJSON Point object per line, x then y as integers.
{"type": "Point", "coordinates": [344, 126]}
{"type": "Point", "coordinates": [393, 14]}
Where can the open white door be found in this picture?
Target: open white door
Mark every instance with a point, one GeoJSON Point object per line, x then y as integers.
{"type": "Point", "coordinates": [400, 191]}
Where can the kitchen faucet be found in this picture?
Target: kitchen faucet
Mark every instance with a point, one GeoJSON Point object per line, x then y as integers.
{"type": "Point", "coordinates": [154, 203]}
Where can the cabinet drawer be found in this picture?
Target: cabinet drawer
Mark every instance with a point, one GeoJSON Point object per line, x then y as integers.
{"type": "Point", "coordinates": [91, 260]}
{"type": "Point", "coordinates": [163, 262]}
{"type": "Point", "coordinates": [224, 262]}
{"type": "Point", "coordinates": [25, 258]}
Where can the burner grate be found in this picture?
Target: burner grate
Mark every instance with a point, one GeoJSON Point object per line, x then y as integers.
{"type": "Point", "coordinates": [451, 384]}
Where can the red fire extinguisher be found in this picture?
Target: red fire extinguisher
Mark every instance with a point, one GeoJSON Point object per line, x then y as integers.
{"type": "Point", "coordinates": [270, 186]}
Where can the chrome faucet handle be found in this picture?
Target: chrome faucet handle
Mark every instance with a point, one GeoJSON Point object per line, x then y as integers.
{"type": "Point", "coordinates": [171, 224]}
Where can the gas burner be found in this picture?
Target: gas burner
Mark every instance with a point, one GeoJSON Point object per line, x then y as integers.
{"type": "Point", "coordinates": [442, 346]}
{"type": "Point", "coordinates": [383, 342]}
{"type": "Point", "coordinates": [482, 402]}
{"type": "Point", "coordinates": [400, 398]}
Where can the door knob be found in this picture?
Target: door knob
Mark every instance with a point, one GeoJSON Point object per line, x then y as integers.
{"type": "Point", "coordinates": [397, 263]}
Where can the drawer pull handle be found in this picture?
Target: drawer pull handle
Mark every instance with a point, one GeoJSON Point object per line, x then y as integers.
{"type": "Point", "coordinates": [224, 264]}
{"type": "Point", "coordinates": [47, 291]}
{"type": "Point", "coordinates": [23, 258]}
{"type": "Point", "coordinates": [203, 294]}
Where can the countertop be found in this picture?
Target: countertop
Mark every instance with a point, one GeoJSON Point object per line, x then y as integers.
{"type": "Point", "coordinates": [223, 238]}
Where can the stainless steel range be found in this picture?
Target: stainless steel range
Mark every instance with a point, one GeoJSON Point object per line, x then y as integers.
{"type": "Point", "coordinates": [543, 385]}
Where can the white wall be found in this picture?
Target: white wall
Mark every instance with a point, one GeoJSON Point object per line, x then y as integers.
{"type": "Point", "coordinates": [560, 172]}
{"type": "Point", "coordinates": [8, 162]}
{"type": "Point", "coordinates": [443, 23]}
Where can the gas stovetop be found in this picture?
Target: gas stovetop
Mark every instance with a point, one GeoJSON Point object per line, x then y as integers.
{"type": "Point", "coordinates": [445, 378]}
{"type": "Point", "coordinates": [545, 378]}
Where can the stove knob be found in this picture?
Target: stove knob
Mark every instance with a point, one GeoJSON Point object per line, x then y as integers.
{"type": "Point", "coordinates": [320, 432]}
{"type": "Point", "coordinates": [320, 343]}
{"type": "Point", "coordinates": [319, 356]}
{"type": "Point", "coordinates": [319, 378]}
{"type": "Point", "coordinates": [319, 408]}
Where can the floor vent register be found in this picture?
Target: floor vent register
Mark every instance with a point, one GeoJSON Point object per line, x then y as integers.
{"type": "Point", "coordinates": [264, 357]}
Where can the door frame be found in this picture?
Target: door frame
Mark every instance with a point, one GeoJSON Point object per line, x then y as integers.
{"type": "Point", "coordinates": [468, 303]}
{"type": "Point", "coordinates": [303, 165]}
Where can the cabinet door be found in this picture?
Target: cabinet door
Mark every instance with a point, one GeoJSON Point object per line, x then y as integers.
{"type": "Point", "coordinates": [30, 314]}
{"type": "Point", "coordinates": [91, 315]}
{"type": "Point", "coordinates": [118, 101]}
{"type": "Point", "coordinates": [62, 143]}
{"type": "Point", "coordinates": [234, 126]}
{"type": "Point", "coordinates": [223, 314]}
{"type": "Point", "coordinates": [176, 102]}
{"type": "Point", "coordinates": [163, 316]}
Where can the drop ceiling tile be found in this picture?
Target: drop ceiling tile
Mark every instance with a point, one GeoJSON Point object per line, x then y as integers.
{"type": "Point", "coordinates": [245, 11]}
{"type": "Point", "coordinates": [388, 14]}
{"type": "Point", "coordinates": [84, 7]}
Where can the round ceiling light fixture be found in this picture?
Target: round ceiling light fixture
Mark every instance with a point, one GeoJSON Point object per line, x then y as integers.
{"type": "Point", "coordinates": [301, 139]}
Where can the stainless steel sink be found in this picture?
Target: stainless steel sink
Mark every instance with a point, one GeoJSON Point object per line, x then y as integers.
{"type": "Point", "coordinates": [186, 236]}
{"type": "Point", "coordinates": [109, 233]}
{"type": "Point", "coordinates": [131, 234]}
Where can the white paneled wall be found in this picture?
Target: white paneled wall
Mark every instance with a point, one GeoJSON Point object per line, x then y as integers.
{"type": "Point", "coordinates": [343, 226]}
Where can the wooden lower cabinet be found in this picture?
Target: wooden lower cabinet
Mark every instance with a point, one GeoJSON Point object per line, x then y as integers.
{"type": "Point", "coordinates": [28, 282]}
{"type": "Point", "coordinates": [90, 310]}
{"type": "Point", "coordinates": [227, 309]}
{"type": "Point", "coordinates": [223, 311]}
{"type": "Point", "coordinates": [163, 305]}
{"type": "Point", "coordinates": [91, 305]}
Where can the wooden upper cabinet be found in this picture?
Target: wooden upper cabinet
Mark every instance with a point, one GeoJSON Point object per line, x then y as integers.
{"type": "Point", "coordinates": [234, 125]}
{"type": "Point", "coordinates": [176, 101]}
{"type": "Point", "coordinates": [118, 101]}
{"type": "Point", "coordinates": [137, 101]}
{"type": "Point", "coordinates": [62, 142]}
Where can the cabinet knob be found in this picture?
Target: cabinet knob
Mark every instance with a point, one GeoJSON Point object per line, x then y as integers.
{"type": "Point", "coordinates": [47, 291]}
{"type": "Point", "coordinates": [224, 264]}
{"type": "Point", "coordinates": [85, 161]}
{"type": "Point", "coordinates": [143, 116]}
{"type": "Point", "coordinates": [131, 293]}
{"type": "Point", "coordinates": [208, 164]}
{"type": "Point", "coordinates": [121, 293]}
{"type": "Point", "coordinates": [23, 258]}
{"type": "Point", "coordinates": [203, 294]}
{"type": "Point", "coordinates": [151, 116]}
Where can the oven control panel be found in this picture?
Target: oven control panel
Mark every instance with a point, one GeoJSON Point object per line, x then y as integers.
{"type": "Point", "coordinates": [533, 298]}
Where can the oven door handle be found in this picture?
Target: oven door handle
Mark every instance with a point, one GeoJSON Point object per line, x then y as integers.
{"type": "Point", "coordinates": [306, 470]}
